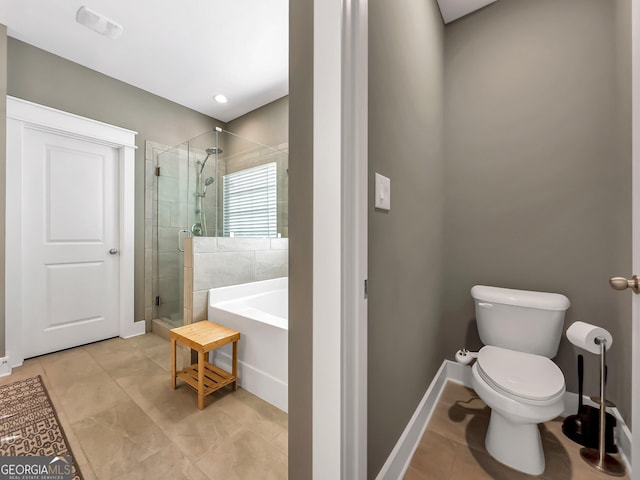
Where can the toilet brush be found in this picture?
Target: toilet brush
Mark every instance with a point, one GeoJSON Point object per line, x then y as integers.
{"type": "Point", "coordinates": [572, 425]}
{"type": "Point", "coordinates": [583, 427]}
{"type": "Point", "coordinates": [599, 459]}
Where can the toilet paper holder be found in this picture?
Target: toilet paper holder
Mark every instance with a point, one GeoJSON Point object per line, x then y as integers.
{"type": "Point", "coordinates": [599, 458]}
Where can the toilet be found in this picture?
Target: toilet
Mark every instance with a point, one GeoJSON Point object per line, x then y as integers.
{"type": "Point", "coordinates": [514, 375]}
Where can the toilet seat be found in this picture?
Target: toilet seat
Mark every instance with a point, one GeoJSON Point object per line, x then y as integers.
{"type": "Point", "coordinates": [522, 376]}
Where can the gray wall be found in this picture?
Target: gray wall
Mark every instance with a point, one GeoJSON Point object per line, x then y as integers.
{"type": "Point", "coordinates": [405, 245]}
{"type": "Point", "coordinates": [300, 237]}
{"type": "Point", "coordinates": [268, 124]}
{"type": "Point", "coordinates": [538, 168]}
{"type": "Point", "coordinates": [3, 163]}
{"type": "Point", "coordinates": [43, 78]}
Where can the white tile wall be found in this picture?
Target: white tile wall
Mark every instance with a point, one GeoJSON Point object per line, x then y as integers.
{"type": "Point", "coordinates": [220, 262]}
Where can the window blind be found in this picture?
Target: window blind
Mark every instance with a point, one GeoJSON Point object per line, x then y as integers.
{"type": "Point", "coordinates": [250, 202]}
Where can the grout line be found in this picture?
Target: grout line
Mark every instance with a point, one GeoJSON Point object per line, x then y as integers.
{"type": "Point", "coordinates": [174, 446]}
{"type": "Point", "coordinates": [132, 346]}
{"type": "Point", "coordinates": [114, 380]}
{"type": "Point", "coordinates": [62, 414]}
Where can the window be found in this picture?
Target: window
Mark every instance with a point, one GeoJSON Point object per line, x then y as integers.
{"type": "Point", "coordinates": [250, 202]}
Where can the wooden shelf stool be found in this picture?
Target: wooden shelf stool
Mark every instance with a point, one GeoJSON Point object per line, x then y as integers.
{"type": "Point", "coordinates": [203, 337]}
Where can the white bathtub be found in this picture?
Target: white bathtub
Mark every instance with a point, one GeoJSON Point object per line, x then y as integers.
{"type": "Point", "coordinates": [259, 311]}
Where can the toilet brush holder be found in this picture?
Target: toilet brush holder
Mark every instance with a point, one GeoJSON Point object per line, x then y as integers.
{"type": "Point", "coordinates": [600, 459]}
{"type": "Point", "coordinates": [584, 427]}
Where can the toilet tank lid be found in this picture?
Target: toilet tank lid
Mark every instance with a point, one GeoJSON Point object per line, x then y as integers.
{"type": "Point", "coordinates": [521, 298]}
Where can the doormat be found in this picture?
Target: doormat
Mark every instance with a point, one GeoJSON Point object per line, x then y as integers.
{"type": "Point", "coordinates": [29, 425]}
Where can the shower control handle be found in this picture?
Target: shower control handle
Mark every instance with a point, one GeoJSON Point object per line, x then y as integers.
{"type": "Point", "coordinates": [184, 230]}
{"type": "Point", "coordinates": [621, 283]}
{"type": "Point", "coordinates": [113, 251]}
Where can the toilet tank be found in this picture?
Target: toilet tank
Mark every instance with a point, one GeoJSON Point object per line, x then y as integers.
{"type": "Point", "coordinates": [520, 320]}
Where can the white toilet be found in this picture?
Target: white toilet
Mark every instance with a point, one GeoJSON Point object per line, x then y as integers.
{"type": "Point", "coordinates": [514, 375]}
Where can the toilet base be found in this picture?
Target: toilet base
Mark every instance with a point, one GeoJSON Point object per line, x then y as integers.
{"type": "Point", "coordinates": [517, 445]}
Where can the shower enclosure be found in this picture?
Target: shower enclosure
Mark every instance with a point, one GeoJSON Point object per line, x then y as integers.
{"type": "Point", "coordinates": [217, 184]}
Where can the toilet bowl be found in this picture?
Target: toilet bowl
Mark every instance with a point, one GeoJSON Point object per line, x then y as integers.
{"type": "Point", "coordinates": [522, 390]}
{"type": "Point", "coordinates": [513, 373]}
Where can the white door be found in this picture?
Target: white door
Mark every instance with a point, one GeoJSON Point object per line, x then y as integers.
{"type": "Point", "coordinates": [70, 279]}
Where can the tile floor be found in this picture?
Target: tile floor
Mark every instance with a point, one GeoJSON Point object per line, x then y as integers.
{"type": "Point", "coordinates": [123, 420]}
{"type": "Point", "coordinates": [453, 445]}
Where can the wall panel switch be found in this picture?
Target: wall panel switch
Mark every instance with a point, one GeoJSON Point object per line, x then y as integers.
{"type": "Point", "coordinates": [383, 192]}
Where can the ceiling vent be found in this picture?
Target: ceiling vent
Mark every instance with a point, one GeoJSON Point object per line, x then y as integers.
{"type": "Point", "coordinates": [98, 23]}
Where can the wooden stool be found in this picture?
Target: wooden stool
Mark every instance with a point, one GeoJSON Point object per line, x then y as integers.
{"type": "Point", "coordinates": [203, 337]}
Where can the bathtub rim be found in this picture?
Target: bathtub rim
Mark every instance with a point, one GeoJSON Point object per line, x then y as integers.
{"type": "Point", "coordinates": [231, 299]}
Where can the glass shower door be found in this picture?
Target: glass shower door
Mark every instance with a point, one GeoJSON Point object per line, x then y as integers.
{"type": "Point", "coordinates": [172, 227]}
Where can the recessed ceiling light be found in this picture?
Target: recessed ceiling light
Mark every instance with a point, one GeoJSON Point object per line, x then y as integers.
{"type": "Point", "coordinates": [220, 98]}
{"type": "Point", "coordinates": [98, 23]}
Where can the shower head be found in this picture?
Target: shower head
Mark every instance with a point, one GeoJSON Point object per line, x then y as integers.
{"type": "Point", "coordinates": [210, 151]}
{"type": "Point", "coordinates": [207, 182]}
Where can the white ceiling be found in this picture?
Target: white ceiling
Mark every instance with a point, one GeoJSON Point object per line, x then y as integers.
{"type": "Point", "coordinates": [186, 51]}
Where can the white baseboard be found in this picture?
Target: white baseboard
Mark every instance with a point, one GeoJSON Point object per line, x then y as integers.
{"type": "Point", "coordinates": [134, 330]}
{"type": "Point", "coordinates": [398, 461]}
{"type": "Point", "coordinates": [5, 368]}
{"type": "Point", "coordinates": [260, 383]}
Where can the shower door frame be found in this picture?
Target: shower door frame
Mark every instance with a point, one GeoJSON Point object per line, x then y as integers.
{"type": "Point", "coordinates": [159, 294]}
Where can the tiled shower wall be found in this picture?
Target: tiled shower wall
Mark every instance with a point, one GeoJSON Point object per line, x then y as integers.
{"type": "Point", "coordinates": [227, 261]}
{"type": "Point", "coordinates": [220, 262]}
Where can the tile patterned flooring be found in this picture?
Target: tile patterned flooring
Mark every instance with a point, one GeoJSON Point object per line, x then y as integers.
{"type": "Point", "coordinates": [453, 445]}
{"type": "Point", "coordinates": [123, 420]}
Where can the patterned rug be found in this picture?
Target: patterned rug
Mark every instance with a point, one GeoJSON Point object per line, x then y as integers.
{"type": "Point", "coordinates": [29, 425]}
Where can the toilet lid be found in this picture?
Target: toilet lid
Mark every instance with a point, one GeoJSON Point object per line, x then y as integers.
{"type": "Point", "coordinates": [521, 374]}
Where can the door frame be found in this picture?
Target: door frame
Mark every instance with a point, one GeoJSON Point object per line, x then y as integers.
{"type": "Point", "coordinates": [21, 115]}
{"type": "Point", "coordinates": [339, 258]}
{"type": "Point", "coordinates": [352, 66]}
{"type": "Point", "coordinates": [328, 201]}
{"type": "Point", "coordinates": [635, 315]}
{"type": "Point", "coordinates": [355, 139]}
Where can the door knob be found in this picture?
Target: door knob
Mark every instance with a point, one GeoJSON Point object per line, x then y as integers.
{"type": "Point", "coordinates": [113, 251]}
{"type": "Point", "coordinates": [621, 283]}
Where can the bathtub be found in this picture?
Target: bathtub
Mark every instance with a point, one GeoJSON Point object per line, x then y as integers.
{"type": "Point", "coordinates": [259, 311]}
